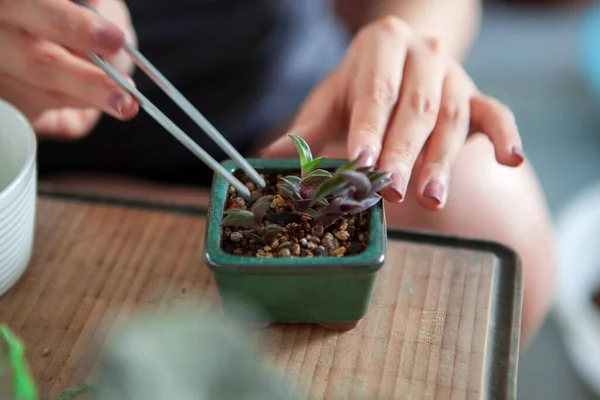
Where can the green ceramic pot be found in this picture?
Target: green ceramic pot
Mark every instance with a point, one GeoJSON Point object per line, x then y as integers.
{"type": "Point", "coordinates": [332, 291]}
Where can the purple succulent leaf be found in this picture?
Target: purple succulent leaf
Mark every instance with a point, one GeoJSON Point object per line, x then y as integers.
{"type": "Point", "coordinates": [286, 191]}
{"type": "Point", "coordinates": [293, 181]}
{"type": "Point", "coordinates": [380, 184]}
{"type": "Point", "coordinates": [271, 231]}
{"type": "Point", "coordinates": [329, 219]}
{"type": "Point", "coordinates": [363, 205]}
{"type": "Point", "coordinates": [290, 186]}
{"type": "Point", "coordinates": [359, 181]}
{"type": "Point", "coordinates": [260, 208]}
{"type": "Point", "coordinates": [330, 213]}
{"type": "Point", "coordinates": [311, 182]}
{"type": "Point", "coordinates": [378, 175]}
{"type": "Point", "coordinates": [331, 187]}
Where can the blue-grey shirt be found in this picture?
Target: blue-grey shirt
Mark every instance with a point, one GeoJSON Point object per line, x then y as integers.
{"type": "Point", "coordinates": [247, 65]}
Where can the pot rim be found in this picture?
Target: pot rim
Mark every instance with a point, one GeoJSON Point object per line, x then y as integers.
{"type": "Point", "coordinates": [369, 260]}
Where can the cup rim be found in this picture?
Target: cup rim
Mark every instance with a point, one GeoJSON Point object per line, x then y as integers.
{"type": "Point", "coordinates": [31, 157]}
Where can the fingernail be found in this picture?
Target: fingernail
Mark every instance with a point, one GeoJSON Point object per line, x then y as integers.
{"type": "Point", "coordinates": [396, 191]}
{"type": "Point", "coordinates": [367, 158]}
{"type": "Point", "coordinates": [109, 38]}
{"type": "Point", "coordinates": [518, 152]}
{"type": "Point", "coordinates": [120, 102]}
{"type": "Point", "coordinates": [434, 191]}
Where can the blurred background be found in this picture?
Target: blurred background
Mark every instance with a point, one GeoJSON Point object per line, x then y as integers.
{"type": "Point", "coordinates": [533, 56]}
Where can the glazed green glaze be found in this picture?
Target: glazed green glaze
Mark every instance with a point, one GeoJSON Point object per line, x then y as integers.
{"type": "Point", "coordinates": [296, 289]}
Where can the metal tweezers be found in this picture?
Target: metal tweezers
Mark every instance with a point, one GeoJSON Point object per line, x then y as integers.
{"type": "Point", "coordinates": [170, 90]}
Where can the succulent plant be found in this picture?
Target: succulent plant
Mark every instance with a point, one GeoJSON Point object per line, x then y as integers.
{"type": "Point", "coordinates": [324, 196]}
{"type": "Point", "coordinates": [253, 219]}
{"type": "Point", "coordinates": [327, 197]}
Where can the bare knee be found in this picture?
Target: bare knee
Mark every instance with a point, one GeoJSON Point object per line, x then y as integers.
{"type": "Point", "coordinates": [497, 203]}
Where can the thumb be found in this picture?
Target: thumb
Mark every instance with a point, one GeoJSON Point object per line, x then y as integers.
{"type": "Point", "coordinates": [319, 120]}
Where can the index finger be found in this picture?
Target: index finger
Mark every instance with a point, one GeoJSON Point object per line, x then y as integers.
{"type": "Point", "coordinates": [377, 87]}
{"type": "Point", "coordinates": [65, 23]}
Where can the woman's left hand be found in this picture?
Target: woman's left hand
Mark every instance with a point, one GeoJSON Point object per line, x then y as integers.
{"type": "Point", "coordinates": [402, 102]}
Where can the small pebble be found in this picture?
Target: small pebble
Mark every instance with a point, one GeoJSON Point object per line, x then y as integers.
{"type": "Point", "coordinates": [343, 226]}
{"type": "Point", "coordinates": [307, 253]}
{"type": "Point", "coordinates": [342, 235]}
{"type": "Point", "coordinates": [303, 242]}
{"type": "Point", "coordinates": [318, 230]}
{"type": "Point", "coordinates": [267, 248]}
{"type": "Point", "coordinates": [231, 190]}
{"type": "Point", "coordinates": [361, 237]}
{"type": "Point", "coordinates": [46, 352]}
{"type": "Point", "coordinates": [278, 202]}
{"type": "Point", "coordinates": [340, 251]}
{"type": "Point", "coordinates": [250, 186]}
{"type": "Point", "coordinates": [236, 237]}
{"type": "Point", "coordinates": [285, 245]}
{"type": "Point", "coordinates": [284, 253]}
{"type": "Point", "coordinates": [238, 201]}
{"type": "Point", "coordinates": [256, 195]}
{"type": "Point", "coordinates": [296, 249]}
{"type": "Point", "coordinates": [238, 252]}
{"type": "Point", "coordinates": [311, 245]}
{"type": "Point", "coordinates": [274, 244]}
{"type": "Point", "coordinates": [305, 218]}
{"type": "Point", "coordinates": [329, 242]}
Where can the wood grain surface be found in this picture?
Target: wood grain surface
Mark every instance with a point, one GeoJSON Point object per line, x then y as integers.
{"type": "Point", "coordinates": [426, 336]}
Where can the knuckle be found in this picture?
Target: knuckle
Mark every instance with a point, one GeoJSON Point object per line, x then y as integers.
{"type": "Point", "coordinates": [401, 153]}
{"type": "Point", "coordinates": [423, 103]}
{"type": "Point", "coordinates": [368, 132]}
{"type": "Point", "coordinates": [437, 163]}
{"type": "Point", "coordinates": [392, 25]}
{"type": "Point", "coordinates": [41, 64]}
{"type": "Point", "coordinates": [383, 91]}
{"type": "Point", "coordinates": [454, 113]}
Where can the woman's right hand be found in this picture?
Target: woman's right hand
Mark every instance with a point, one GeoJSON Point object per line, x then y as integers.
{"type": "Point", "coordinates": [44, 70]}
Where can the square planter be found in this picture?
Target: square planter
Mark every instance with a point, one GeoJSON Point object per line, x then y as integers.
{"type": "Point", "coordinates": [331, 291]}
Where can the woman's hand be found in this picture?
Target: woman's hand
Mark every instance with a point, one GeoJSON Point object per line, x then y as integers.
{"type": "Point", "coordinates": [44, 70]}
{"type": "Point", "coordinates": [403, 102]}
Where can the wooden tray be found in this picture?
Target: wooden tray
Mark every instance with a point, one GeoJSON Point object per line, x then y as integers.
{"type": "Point", "coordinates": [443, 323]}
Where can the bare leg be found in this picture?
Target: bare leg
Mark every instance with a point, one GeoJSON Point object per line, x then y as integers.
{"type": "Point", "coordinates": [489, 201]}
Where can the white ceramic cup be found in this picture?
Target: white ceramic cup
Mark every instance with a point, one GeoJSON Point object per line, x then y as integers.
{"type": "Point", "coordinates": [18, 193]}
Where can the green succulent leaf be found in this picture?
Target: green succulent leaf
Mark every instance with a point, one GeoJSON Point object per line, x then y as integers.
{"type": "Point", "coordinates": [304, 152]}
{"type": "Point", "coordinates": [312, 165]}
{"type": "Point", "coordinates": [253, 235]}
{"type": "Point", "coordinates": [349, 166]}
{"type": "Point", "coordinates": [238, 217]}
{"type": "Point", "coordinates": [311, 212]}
{"type": "Point", "coordinates": [271, 231]}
